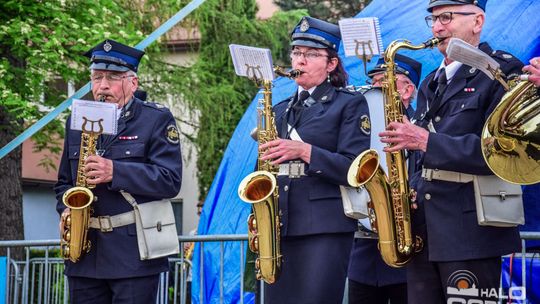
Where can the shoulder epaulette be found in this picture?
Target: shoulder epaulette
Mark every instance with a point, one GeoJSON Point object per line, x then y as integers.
{"type": "Point", "coordinates": [504, 56]}
{"type": "Point", "coordinates": [155, 105]}
{"type": "Point", "coordinates": [349, 90]}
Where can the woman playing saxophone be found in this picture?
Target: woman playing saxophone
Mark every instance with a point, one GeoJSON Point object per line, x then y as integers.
{"type": "Point", "coordinates": [321, 128]}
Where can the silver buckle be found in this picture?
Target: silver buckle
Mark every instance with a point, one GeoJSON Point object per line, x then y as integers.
{"type": "Point", "coordinates": [296, 169]}
{"type": "Point", "coordinates": [427, 174]}
{"type": "Point", "coordinates": [108, 227]}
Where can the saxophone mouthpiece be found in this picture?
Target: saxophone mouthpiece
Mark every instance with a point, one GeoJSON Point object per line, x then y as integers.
{"type": "Point", "coordinates": [102, 98]}
{"type": "Point", "coordinates": [434, 41]}
{"type": "Point", "coordinates": [292, 74]}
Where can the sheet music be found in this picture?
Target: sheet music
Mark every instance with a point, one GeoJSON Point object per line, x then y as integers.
{"type": "Point", "coordinates": [465, 53]}
{"type": "Point", "coordinates": [361, 33]}
{"type": "Point", "coordinates": [93, 112]}
{"type": "Point", "coordinates": [252, 62]}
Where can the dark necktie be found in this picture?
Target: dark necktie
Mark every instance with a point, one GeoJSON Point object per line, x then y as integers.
{"type": "Point", "coordinates": [302, 98]}
{"type": "Point", "coordinates": [442, 82]}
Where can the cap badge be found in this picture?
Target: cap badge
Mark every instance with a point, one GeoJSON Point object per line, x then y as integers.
{"type": "Point", "coordinates": [107, 46]}
{"type": "Point", "coordinates": [304, 25]}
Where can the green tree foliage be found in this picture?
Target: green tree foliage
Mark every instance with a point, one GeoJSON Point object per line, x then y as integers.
{"type": "Point", "coordinates": [41, 42]}
{"type": "Point", "coordinates": [330, 11]}
{"type": "Point", "coordinates": [210, 87]}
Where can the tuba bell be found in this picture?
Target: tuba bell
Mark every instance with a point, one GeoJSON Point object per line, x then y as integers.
{"type": "Point", "coordinates": [511, 135]}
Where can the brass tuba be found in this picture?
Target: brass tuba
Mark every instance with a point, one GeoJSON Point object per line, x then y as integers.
{"type": "Point", "coordinates": [78, 199]}
{"type": "Point", "coordinates": [511, 135]}
{"type": "Point", "coordinates": [390, 195]}
{"type": "Point", "coordinates": [260, 189]}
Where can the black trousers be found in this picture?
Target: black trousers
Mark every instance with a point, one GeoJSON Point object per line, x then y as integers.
{"type": "Point", "coordinates": [366, 294]}
{"type": "Point", "coordinates": [437, 282]}
{"type": "Point", "coordinates": [140, 290]}
{"type": "Point", "coordinates": [314, 270]}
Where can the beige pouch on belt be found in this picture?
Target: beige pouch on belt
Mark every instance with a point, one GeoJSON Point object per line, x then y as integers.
{"type": "Point", "coordinates": [498, 203]}
{"type": "Point", "coordinates": [156, 228]}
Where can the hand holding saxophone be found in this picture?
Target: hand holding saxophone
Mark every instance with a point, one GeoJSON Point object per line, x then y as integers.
{"type": "Point", "coordinates": [404, 135]}
{"type": "Point", "coordinates": [281, 150]}
{"type": "Point", "coordinates": [534, 71]}
{"type": "Point", "coordinates": [98, 170]}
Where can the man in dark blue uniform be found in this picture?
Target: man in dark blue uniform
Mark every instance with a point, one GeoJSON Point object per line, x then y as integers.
{"type": "Point", "coordinates": [321, 129]}
{"type": "Point", "coordinates": [461, 260]}
{"type": "Point", "coordinates": [143, 159]}
{"type": "Point", "coordinates": [370, 279]}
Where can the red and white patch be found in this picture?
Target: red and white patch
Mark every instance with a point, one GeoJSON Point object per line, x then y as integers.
{"type": "Point", "coordinates": [128, 137]}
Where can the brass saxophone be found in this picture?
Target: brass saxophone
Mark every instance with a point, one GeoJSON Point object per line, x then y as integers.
{"type": "Point", "coordinates": [511, 135]}
{"type": "Point", "coordinates": [390, 195]}
{"type": "Point", "coordinates": [260, 189]}
{"type": "Point", "coordinates": [79, 198]}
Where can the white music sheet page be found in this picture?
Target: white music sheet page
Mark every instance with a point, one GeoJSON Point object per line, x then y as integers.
{"type": "Point", "coordinates": [252, 62]}
{"type": "Point", "coordinates": [361, 36]}
{"type": "Point", "coordinates": [94, 116]}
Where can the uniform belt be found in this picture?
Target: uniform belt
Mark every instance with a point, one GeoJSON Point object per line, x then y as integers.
{"type": "Point", "coordinates": [106, 223]}
{"type": "Point", "coordinates": [448, 176]}
{"type": "Point", "coordinates": [294, 169]}
{"type": "Point", "coordinates": [365, 234]}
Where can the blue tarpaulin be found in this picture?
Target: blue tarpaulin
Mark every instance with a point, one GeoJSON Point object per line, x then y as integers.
{"type": "Point", "coordinates": [510, 25]}
{"type": "Point", "coordinates": [3, 278]}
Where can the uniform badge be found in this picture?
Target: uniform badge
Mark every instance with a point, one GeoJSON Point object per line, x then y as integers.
{"type": "Point", "coordinates": [107, 46]}
{"type": "Point", "coordinates": [469, 90]}
{"type": "Point", "coordinates": [365, 124]}
{"type": "Point", "coordinates": [172, 134]}
{"type": "Point", "coordinates": [304, 25]}
{"type": "Point", "coordinates": [507, 56]}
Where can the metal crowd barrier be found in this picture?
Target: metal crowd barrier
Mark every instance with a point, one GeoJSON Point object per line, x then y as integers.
{"type": "Point", "coordinates": [40, 280]}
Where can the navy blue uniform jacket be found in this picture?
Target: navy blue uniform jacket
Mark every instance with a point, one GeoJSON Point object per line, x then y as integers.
{"type": "Point", "coordinates": [453, 232]}
{"type": "Point", "coordinates": [312, 204]}
{"type": "Point", "coordinates": [147, 164]}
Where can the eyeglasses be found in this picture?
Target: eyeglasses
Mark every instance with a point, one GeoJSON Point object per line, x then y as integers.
{"type": "Point", "coordinates": [311, 55]}
{"type": "Point", "coordinates": [444, 18]}
{"type": "Point", "coordinates": [110, 77]}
